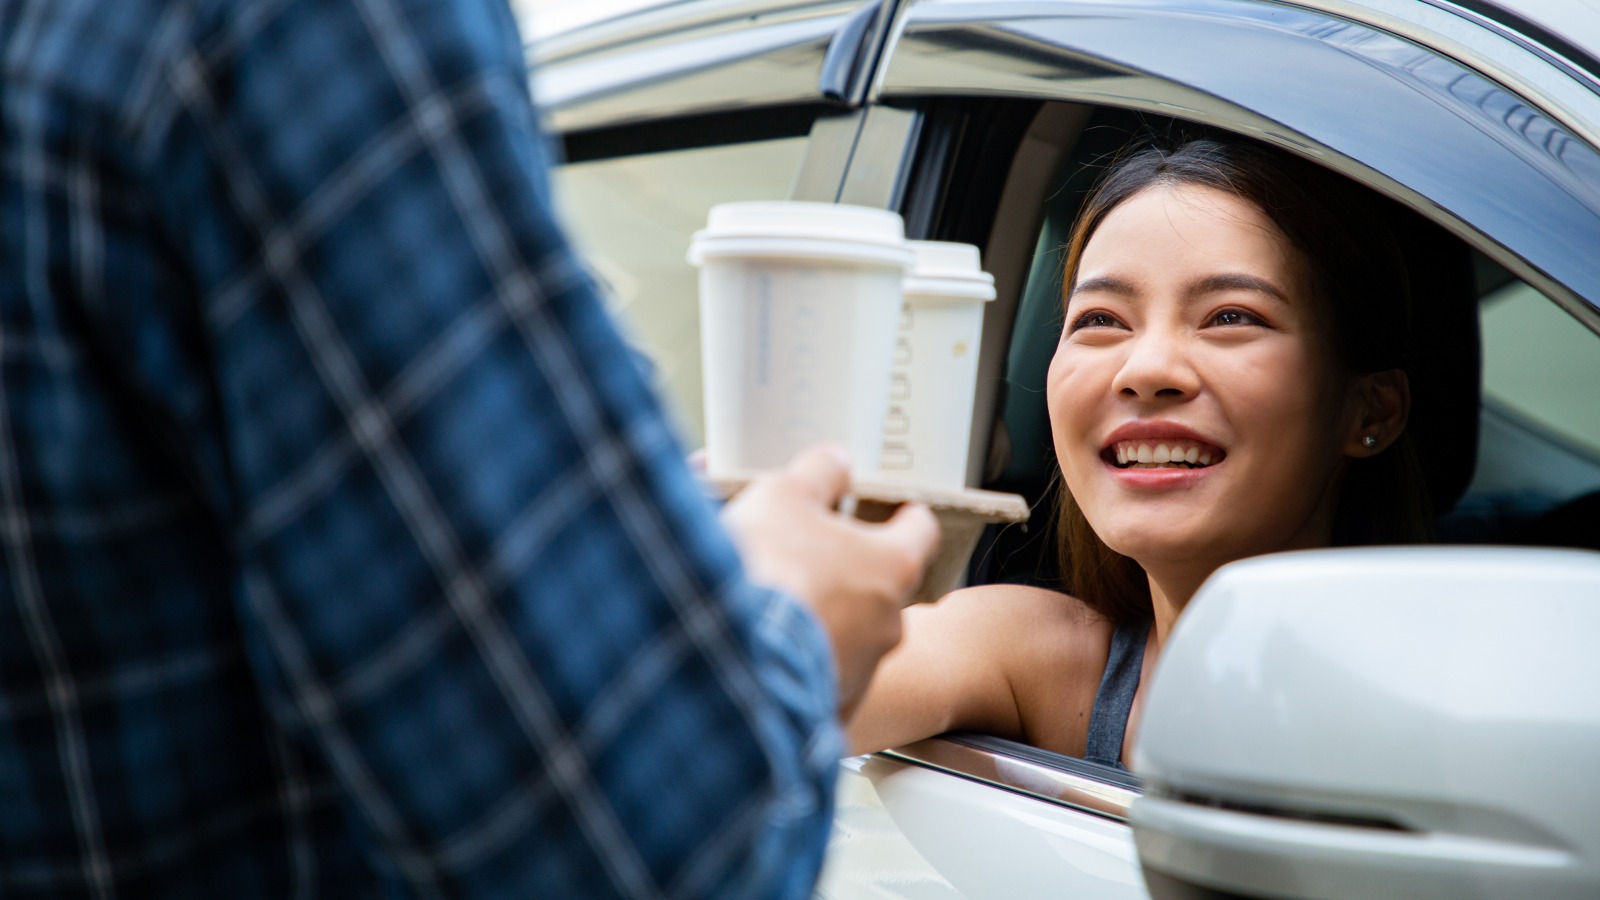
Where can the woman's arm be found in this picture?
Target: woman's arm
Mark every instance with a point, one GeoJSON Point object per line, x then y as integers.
{"type": "Point", "coordinates": [1011, 661]}
{"type": "Point", "coordinates": [952, 669]}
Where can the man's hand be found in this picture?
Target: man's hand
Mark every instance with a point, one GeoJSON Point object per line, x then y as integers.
{"type": "Point", "coordinates": [856, 577]}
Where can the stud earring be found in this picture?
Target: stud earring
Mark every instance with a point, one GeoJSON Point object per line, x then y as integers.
{"type": "Point", "coordinates": [1369, 442]}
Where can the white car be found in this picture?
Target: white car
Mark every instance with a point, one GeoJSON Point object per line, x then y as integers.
{"type": "Point", "coordinates": [1344, 723]}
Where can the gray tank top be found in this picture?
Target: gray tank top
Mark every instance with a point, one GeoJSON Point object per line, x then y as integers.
{"type": "Point", "coordinates": [1114, 701]}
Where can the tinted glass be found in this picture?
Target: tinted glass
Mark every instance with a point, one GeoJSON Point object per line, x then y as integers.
{"type": "Point", "coordinates": [1543, 364]}
{"type": "Point", "coordinates": [632, 218]}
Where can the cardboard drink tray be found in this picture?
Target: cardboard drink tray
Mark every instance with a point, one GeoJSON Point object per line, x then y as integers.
{"type": "Point", "coordinates": [961, 514]}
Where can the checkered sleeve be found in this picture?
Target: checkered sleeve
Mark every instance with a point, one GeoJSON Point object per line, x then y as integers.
{"type": "Point", "coordinates": [476, 575]}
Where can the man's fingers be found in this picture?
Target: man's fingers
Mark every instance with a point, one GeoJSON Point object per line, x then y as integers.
{"type": "Point", "coordinates": [912, 534]}
{"type": "Point", "coordinates": [822, 472]}
{"type": "Point", "coordinates": [915, 527]}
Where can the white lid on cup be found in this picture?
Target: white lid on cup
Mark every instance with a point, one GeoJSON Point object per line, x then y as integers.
{"type": "Point", "coordinates": [802, 230]}
{"type": "Point", "coordinates": [947, 271]}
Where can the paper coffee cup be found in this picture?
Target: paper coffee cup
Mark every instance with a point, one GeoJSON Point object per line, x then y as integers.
{"type": "Point", "coordinates": [798, 310]}
{"type": "Point", "coordinates": [935, 375]}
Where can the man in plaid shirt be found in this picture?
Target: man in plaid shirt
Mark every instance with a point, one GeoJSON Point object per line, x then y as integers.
{"type": "Point", "coordinates": [345, 554]}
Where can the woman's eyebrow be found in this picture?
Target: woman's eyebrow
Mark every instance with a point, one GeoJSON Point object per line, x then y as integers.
{"type": "Point", "coordinates": [1237, 281]}
{"type": "Point", "coordinates": [1104, 283]}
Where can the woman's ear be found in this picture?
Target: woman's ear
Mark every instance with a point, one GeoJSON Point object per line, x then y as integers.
{"type": "Point", "coordinates": [1382, 405]}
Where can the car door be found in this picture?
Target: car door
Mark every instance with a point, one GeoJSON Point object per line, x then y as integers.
{"type": "Point", "coordinates": [1487, 134]}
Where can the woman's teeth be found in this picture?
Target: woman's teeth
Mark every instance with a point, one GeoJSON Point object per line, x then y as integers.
{"type": "Point", "coordinates": [1169, 454]}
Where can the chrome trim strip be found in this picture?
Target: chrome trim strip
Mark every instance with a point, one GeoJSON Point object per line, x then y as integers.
{"type": "Point", "coordinates": [1023, 776]}
{"type": "Point", "coordinates": [661, 21]}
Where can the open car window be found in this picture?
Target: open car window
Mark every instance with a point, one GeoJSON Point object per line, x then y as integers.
{"type": "Point", "coordinates": [1537, 360]}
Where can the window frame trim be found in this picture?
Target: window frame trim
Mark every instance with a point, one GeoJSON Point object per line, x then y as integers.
{"type": "Point", "coordinates": [1058, 780]}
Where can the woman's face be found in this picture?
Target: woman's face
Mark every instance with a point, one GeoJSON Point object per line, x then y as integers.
{"type": "Point", "coordinates": [1198, 411]}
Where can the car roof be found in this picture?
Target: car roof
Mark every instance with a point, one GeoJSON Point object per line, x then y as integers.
{"type": "Point", "coordinates": [1575, 21]}
{"type": "Point", "coordinates": [1570, 28]}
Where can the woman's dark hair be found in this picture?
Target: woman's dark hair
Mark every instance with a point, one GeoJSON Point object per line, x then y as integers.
{"type": "Point", "coordinates": [1358, 276]}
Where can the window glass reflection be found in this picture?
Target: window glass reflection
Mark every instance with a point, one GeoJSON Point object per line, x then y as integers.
{"type": "Point", "coordinates": [631, 218]}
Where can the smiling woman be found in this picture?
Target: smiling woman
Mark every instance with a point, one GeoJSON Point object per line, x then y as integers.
{"type": "Point", "coordinates": [1257, 307]}
{"type": "Point", "coordinates": [1230, 381]}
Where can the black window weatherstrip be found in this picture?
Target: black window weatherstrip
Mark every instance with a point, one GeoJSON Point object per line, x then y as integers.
{"type": "Point", "coordinates": [854, 52]}
{"type": "Point", "coordinates": [685, 132]}
{"type": "Point", "coordinates": [1062, 780]}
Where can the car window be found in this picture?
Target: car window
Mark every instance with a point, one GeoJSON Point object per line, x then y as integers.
{"type": "Point", "coordinates": [631, 218]}
{"type": "Point", "coordinates": [1542, 364]}
{"type": "Point", "coordinates": [1530, 346]}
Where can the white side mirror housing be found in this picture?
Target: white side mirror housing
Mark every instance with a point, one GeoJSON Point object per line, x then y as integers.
{"type": "Point", "coordinates": [1398, 722]}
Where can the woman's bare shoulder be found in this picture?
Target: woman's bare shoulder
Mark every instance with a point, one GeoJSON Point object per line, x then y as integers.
{"type": "Point", "coordinates": [1035, 626]}
{"type": "Point", "coordinates": [1024, 605]}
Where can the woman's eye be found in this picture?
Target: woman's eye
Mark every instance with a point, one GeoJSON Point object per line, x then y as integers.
{"type": "Point", "coordinates": [1094, 320]}
{"type": "Point", "coordinates": [1234, 317]}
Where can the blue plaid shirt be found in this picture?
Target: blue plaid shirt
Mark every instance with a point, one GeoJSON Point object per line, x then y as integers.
{"type": "Point", "coordinates": [345, 553]}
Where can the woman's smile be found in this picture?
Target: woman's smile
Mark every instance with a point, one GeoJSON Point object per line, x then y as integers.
{"type": "Point", "coordinates": [1160, 455]}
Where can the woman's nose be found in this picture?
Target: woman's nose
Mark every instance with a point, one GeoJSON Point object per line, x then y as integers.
{"type": "Point", "coordinates": [1156, 366]}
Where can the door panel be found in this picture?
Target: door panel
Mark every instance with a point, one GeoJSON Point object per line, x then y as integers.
{"type": "Point", "coordinates": [907, 831]}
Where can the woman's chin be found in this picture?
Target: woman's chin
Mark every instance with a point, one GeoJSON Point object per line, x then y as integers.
{"type": "Point", "coordinates": [1149, 548]}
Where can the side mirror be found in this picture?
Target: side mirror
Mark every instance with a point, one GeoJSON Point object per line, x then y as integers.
{"type": "Point", "coordinates": [1397, 722]}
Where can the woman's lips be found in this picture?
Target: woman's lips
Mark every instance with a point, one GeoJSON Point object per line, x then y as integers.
{"type": "Point", "coordinates": [1159, 455]}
